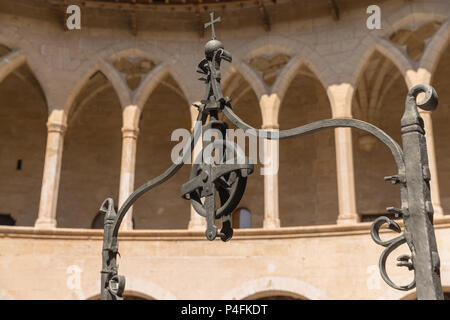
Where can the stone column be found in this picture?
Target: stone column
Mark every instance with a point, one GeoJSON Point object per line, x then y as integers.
{"type": "Point", "coordinates": [196, 222]}
{"type": "Point", "coordinates": [345, 176]}
{"type": "Point", "coordinates": [413, 78]}
{"type": "Point", "coordinates": [270, 105]}
{"type": "Point", "coordinates": [56, 127]}
{"type": "Point", "coordinates": [434, 183]}
{"type": "Point", "coordinates": [271, 165]}
{"type": "Point", "coordinates": [340, 99]}
{"type": "Point", "coordinates": [130, 131]}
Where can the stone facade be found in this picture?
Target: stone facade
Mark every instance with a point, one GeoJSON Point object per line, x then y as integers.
{"type": "Point", "coordinates": [88, 114]}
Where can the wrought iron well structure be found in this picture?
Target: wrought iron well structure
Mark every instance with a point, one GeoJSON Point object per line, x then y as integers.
{"type": "Point", "coordinates": [228, 180]}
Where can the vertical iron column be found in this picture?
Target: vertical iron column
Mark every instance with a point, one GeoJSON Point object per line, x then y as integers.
{"type": "Point", "coordinates": [112, 285]}
{"type": "Point", "coordinates": [419, 215]}
{"type": "Point", "coordinates": [108, 228]}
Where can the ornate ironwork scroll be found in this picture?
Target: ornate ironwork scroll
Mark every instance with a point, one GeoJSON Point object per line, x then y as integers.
{"type": "Point", "coordinates": [228, 181]}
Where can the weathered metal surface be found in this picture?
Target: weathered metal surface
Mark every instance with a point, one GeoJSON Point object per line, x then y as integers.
{"type": "Point", "coordinates": [228, 181]}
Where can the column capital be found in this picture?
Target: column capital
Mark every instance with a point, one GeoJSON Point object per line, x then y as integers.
{"type": "Point", "coordinates": [415, 77]}
{"type": "Point", "coordinates": [270, 127]}
{"type": "Point", "coordinates": [270, 106]}
{"type": "Point", "coordinates": [342, 116]}
{"type": "Point", "coordinates": [194, 113]}
{"type": "Point", "coordinates": [129, 132]}
{"type": "Point", "coordinates": [56, 127]}
{"type": "Point", "coordinates": [340, 96]}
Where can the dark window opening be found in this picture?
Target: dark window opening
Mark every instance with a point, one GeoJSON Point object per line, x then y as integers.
{"type": "Point", "coordinates": [6, 219]}
{"type": "Point", "coordinates": [372, 216]}
{"type": "Point", "coordinates": [241, 219]}
{"type": "Point", "coordinates": [19, 164]}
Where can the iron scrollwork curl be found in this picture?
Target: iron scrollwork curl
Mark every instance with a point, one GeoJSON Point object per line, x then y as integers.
{"type": "Point", "coordinates": [391, 245]}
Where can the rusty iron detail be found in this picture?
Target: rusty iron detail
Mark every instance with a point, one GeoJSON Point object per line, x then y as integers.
{"type": "Point", "coordinates": [224, 183]}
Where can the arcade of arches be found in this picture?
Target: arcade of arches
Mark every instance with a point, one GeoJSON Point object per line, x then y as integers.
{"type": "Point", "coordinates": [91, 160]}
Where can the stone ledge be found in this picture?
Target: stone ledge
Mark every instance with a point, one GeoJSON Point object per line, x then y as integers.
{"type": "Point", "coordinates": [189, 235]}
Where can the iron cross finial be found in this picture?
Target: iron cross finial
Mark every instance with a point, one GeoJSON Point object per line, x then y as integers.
{"type": "Point", "coordinates": [211, 23]}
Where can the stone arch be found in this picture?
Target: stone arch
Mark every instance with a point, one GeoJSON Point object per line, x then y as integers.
{"type": "Point", "coordinates": [305, 100]}
{"type": "Point", "coordinates": [258, 90]}
{"type": "Point", "coordinates": [125, 95]}
{"type": "Point", "coordinates": [4, 50]}
{"type": "Point", "coordinates": [251, 76]}
{"type": "Point", "coordinates": [150, 82]}
{"type": "Point", "coordinates": [413, 295]}
{"type": "Point", "coordinates": [388, 50]}
{"type": "Point", "coordinates": [23, 117]}
{"type": "Point", "coordinates": [122, 52]}
{"type": "Point", "coordinates": [162, 112]}
{"type": "Point", "coordinates": [440, 120]}
{"type": "Point", "coordinates": [127, 295]}
{"type": "Point", "coordinates": [140, 288]}
{"type": "Point", "coordinates": [110, 73]}
{"type": "Point", "coordinates": [11, 62]}
{"type": "Point", "coordinates": [435, 48]}
{"type": "Point", "coordinates": [262, 286]}
{"type": "Point", "coordinates": [153, 53]}
{"type": "Point", "coordinates": [379, 80]}
{"type": "Point", "coordinates": [289, 72]}
{"type": "Point", "coordinates": [417, 18]}
{"type": "Point", "coordinates": [246, 104]}
{"type": "Point", "coordinates": [92, 152]}
{"type": "Point", "coordinates": [392, 294]}
{"type": "Point", "coordinates": [279, 294]}
{"type": "Point", "coordinates": [267, 46]}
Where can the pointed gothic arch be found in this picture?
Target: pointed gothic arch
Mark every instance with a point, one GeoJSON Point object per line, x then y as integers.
{"type": "Point", "coordinates": [388, 50]}
{"type": "Point", "coordinates": [92, 152]}
{"type": "Point", "coordinates": [246, 104]}
{"type": "Point", "coordinates": [378, 99]}
{"type": "Point", "coordinates": [440, 119]}
{"type": "Point", "coordinates": [23, 117]}
{"type": "Point", "coordinates": [311, 162]}
{"type": "Point", "coordinates": [165, 109]}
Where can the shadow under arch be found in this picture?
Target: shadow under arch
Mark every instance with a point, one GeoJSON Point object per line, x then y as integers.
{"type": "Point", "coordinates": [389, 51]}
{"type": "Point", "coordinates": [440, 126]}
{"type": "Point", "coordinates": [246, 104]}
{"type": "Point", "coordinates": [378, 99]}
{"type": "Point", "coordinates": [312, 159]}
{"type": "Point", "coordinates": [268, 45]}
{"type": "Point", "coordinates": [11, 61]}
{"type": "Point", "coordinates": [413, 295]}
{"type": "Point", "coordinates": [23, 133]}
{"type": "Point", "coordinates": [291, 69]}
{"type": "Point", "coordinates": [108, 71]}
{"type": "Point", "coordinates": [275, 295]}
{"type": "Point", "coordinates": [4, 50]}
{"type": "Point", "coordinates": [140, 288]}
{"type": "Point", "coordinates": [413, 18]}
{"type": "Point", "coordinates": [158, 56]}
{"type": "Point", "coordinates": [261, 287]}
{"type": "Point", "coordinates": [165, 111]}
{"type": "Point", "coordinates": [436, 49]}
{"type": "Point", "coordinates": [92, 153]}
{"type": "Point", "coordinates": [128, 295]}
